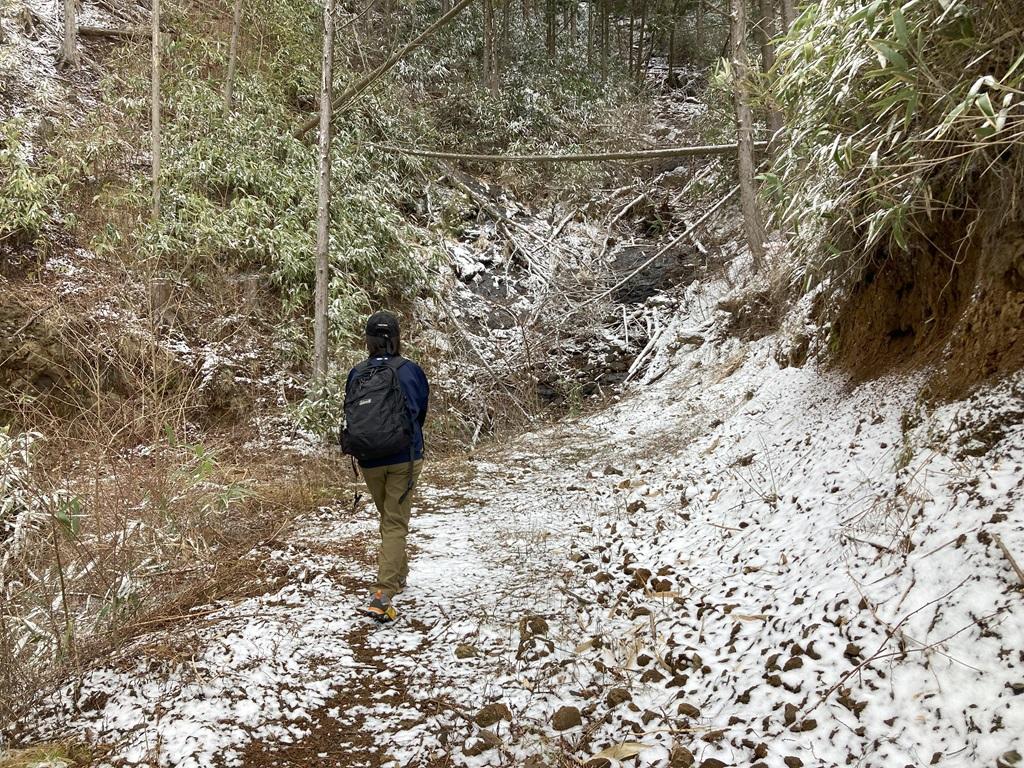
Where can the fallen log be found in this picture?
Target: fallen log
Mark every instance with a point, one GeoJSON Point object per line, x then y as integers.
{"type": "Point", "coordinates": [640, 154]}
{"type": "Point", "coordinates": [117, 33]}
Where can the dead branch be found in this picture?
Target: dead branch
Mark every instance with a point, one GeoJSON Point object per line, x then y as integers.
{"type": "Point", "coordinates": [357, 88]}
{"type": "Point", "coordinates": [119, 33]}
{"type": "Point", "coordinates": [1010, 558]}
{"type": "Point", "coordinates": [644, 154]}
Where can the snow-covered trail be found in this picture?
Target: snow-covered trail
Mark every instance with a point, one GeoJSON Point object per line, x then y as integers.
{"type": "Point", "coordinates": [737, 564]}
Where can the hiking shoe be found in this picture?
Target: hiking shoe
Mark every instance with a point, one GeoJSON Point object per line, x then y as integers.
{"type": "Point", "coordinates": [380, 608]}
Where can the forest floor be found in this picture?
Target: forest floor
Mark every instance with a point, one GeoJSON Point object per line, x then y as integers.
{"type": "Point", "coordinates": [736, 564]}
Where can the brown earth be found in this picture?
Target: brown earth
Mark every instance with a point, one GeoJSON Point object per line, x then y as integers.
{"type": "Point", "coordinates": [958, 309]}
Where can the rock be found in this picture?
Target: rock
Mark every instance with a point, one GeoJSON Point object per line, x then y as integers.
{"type": "Point", "coordinates": [1017, 688]}
{"type": "Point", "coordinates": [852, 651]}
{"type": "Point", "coordinates": [688, 710]}
{"type": "Point", "coordinates": [652, 675]}
{"type": "Point", "coordinates": [680, 757]}
{"type": "Point", "coordinates": [761, 751]}
{"type": "Point", "coordinates": [790, 714]}
{"type": "Point", "coordinates": [795, 662]}
{"type": "Point", "coordinates": [1011, 759]}
{"type": "Point", "coordinates": [640, 577]}
{"type": "Point", "coordinates": [713, 737]}
{"type": "Point", "coordinates": [565, 718]}
{"type": "Point", "coordinates": [712, 762]}
{"type": "Point", "coordinates": [610, 470]}
{"type": "Point", "coordinates": [531, 626]}
{"type": "Point", "coordinates": [636, 506]}
{"type": "Point", "coordinates": [792, 761]}
{"type": "Point", "coordinates": [617, 696]}
{"type": "Point", "coordinates": [535, 761]}
{"type": "Point", "coordinates": [484, 741]}
{"type": "Point", "coordinates": [491, 714]}
{"type": "Point", "coordinates": [465, 651]}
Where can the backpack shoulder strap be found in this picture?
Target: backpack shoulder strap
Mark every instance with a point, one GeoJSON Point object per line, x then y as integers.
{"type": "Point", "coordinates": [396, 362]}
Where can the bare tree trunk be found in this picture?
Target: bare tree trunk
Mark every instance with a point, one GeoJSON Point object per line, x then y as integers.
{"type": "Point", "coordinates": [605, 42]}
{"type": "Point", "coordinates": [490, 49]}
{"type": "Point", "coordinates": [632, 42]}
{"type": "Point", "coordinates": [551, 23]}
{"type": "Point", "coordinates": [698, 31]}
{"type": "Point", "coordinates": [590, 35]}
{"type": "Point", "coordinates": [229, 85]}
{"type": "Point", "coordinates": [766, 34]}
{"type": "Point", "coordinates": [788, 15]}
{"type": "Point", "coordinates": [69, 45]}
{"type": "Point", "coordinates": [506, 26]}
{"type": "Point", "coordinates": [640, 61]}
{"type": "Point", "coordinates": [752, 224]}
{"type": "Point", "coordinates": [670, 79]}
{"type": "Point", "coordinates": [324, 201]}
{"type": "Point", "coordinates": [155, 109]}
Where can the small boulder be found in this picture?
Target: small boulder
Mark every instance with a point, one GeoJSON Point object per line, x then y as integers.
{"type": "Point", "coordinates": [484, 741]}
{"type": "Point", "coordinates": [491, 714]}
{"type": "Point", "coordinates": [688, 710]}
{"type": "Point", "coordinates": [617, 696]}
{"type": "Point", "coordinates": [465, 651]}
{"type": "Point", "coordinates": [680, 757]}
{"type": "Point", "coordinates": [565, 718]}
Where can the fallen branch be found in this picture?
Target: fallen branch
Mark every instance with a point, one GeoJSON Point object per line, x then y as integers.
{"type": "Point", "coordinates": [354, 90]}
{"type": "Point", "coordinates": [586, 157]}
{"type": "Point", "coordinates": [119, 33]}
{"type": "Point", "coordinates": [1010, 558]}
{"type": "Point", "coordinates": [675, 241]}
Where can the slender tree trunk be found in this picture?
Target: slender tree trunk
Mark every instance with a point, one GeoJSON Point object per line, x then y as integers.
{"type": "Point", "coordinates": [605, 42]}
{"type": "Point", "coordinates": [324, 201]}
{"type": "Point", "coordinates": [490, 48]}
{"type": "Point", "coordinates": [590, 35]}
{"type": "Point", "coordinates": [69, 45]}
{"type": "Point", "coordinates": [698, 32]}
{"type": "Point", "coordinates": [155, 109]}
{"type": "Point", "coordinates": [229, 84]}
{"type": "Point", "coordinates": [766, 35]}
{"type": "Point", "coordinates": [631, 40]}
{"type": "Point", "coordinates": [551, 22]}
{"type": "Point", "coordinates": [788, 15]}
{"type": "Point", "coordinates": [670, 79]}
{"type": "Point", "coordinates": [640, 61]}
{"type": "Point", "coordinates": [752, 223]}
{"type": "Point", "coordinates": [506, 31]}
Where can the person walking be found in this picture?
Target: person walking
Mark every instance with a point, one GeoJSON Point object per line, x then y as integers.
{"type": "Point", "coordinates": [386, 399]}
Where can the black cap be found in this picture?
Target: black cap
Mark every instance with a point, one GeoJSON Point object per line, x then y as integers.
{"type": "Point", "coordinates": [383, 325]}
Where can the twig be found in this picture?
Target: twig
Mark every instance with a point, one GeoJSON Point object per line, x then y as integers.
{"type": "Point", "coordinates": [1009, 556]}
{"type": "Point", "coordinates": [714, 209]}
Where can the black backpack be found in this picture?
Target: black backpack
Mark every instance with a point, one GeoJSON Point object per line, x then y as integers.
{"type": "Point", "coordinates": [377, 422]}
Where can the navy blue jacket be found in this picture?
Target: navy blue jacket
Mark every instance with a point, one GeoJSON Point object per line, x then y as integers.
{"type": "Point", "coordinates": [417, 394]}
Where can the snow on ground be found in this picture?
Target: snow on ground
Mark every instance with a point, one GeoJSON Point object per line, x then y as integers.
{"type": "Point", "coordinates": [736, 564]}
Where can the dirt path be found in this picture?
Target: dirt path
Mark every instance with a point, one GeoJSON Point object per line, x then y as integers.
{"type": "Point", "coordinates": [740, 565]}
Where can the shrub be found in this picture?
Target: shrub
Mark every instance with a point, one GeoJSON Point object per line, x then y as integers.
{"type": "Point", "coordinates": [902, 115]}
{"type": "Point", "coordinates": [25, 193]}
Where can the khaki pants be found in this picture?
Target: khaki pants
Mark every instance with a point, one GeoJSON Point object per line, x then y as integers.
{"type": "Point", "coordinates": [386, 486]}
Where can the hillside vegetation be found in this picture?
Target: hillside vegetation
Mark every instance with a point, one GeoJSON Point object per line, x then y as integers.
{"type": "Point", "coordinates": [634, 364]}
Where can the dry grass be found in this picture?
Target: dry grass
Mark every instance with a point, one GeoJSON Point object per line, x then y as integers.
{"type": "Point", "coordinates": [120, 543]}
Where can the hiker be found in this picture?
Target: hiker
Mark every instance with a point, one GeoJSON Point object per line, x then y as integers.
{"type": "Point", "coordinates": [385, 407]}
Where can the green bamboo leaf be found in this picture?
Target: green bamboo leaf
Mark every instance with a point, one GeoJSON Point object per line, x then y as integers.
{"type": "Point", "coordinates": [900, 24]}
{"type": "Point", "coordinates": [889, 54]}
